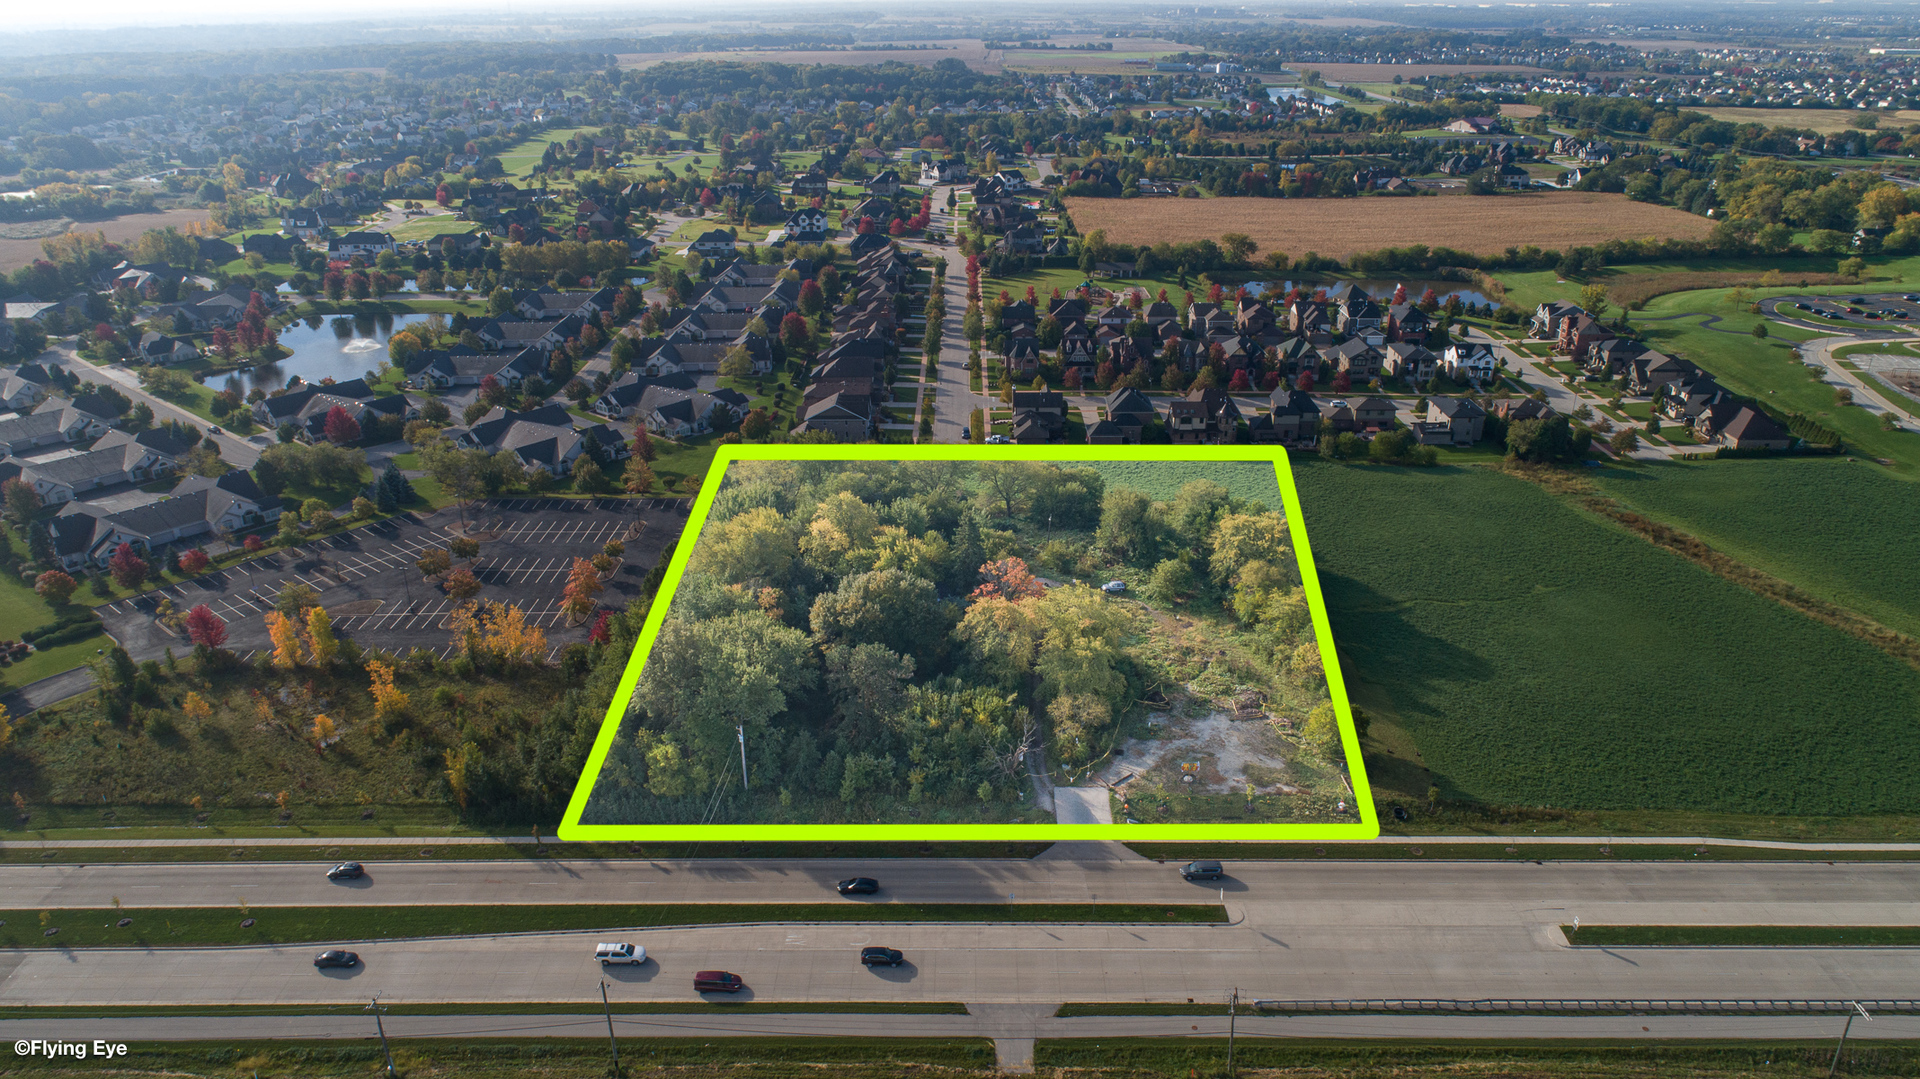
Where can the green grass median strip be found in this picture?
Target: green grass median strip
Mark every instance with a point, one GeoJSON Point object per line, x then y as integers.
{"type": "Point", "coordinates": [1753, 936]}
{"type": "Point", "coordinates": [104, 847]}
{"type": "Point", "coordinates": [668, 1007]}
{"type": "Point", "coordinates": [1071, 1011]}
{"type": "Point", "coordinates": [191, 926]}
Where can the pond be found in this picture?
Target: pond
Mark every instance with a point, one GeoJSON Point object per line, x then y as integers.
{"type": "Point", "coordinates": [1296, 93]}
{"type": "Point", "coordinates": [1380, 289]}
{"type": "Point", "coordinates": [340, 347]}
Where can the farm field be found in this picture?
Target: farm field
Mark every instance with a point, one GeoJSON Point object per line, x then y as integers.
{"type": "Point", "coordinates": [1340, 227]}
{"type": "Point", "coordinates": [123, 229]}
{"type": "Point", "coordinates": [1839, 530]}
{"type": "Point", "coordinates": [971, 51]}
{"type": "Point", "coordinates": [1822, 121]}
{"type": "Point", "coordinates": [1344, 73]}
{"type": "Point", "coordinates": [1517, 651]}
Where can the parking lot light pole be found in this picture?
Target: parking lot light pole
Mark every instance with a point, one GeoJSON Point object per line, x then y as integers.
{"type": "Point", "coordinates": [742, 732]}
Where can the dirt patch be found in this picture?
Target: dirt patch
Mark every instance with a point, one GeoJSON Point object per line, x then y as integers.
{"type": "Point", "coordinates": [1224, 755]}
{"type": "Point", "coordinates": [125, 229]}
{"type": "Point", "coordinates": [1482, 225]}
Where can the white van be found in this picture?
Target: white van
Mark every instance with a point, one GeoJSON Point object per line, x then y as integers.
{"type": "Point", "coordinates": [609, 954]}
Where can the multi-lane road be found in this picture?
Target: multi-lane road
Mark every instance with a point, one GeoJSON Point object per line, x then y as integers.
{"type": "Point", "coordinates": [1462, 930]}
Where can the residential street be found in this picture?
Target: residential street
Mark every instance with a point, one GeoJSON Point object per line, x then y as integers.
{"type": "Point", "coordinates": [235, 451]}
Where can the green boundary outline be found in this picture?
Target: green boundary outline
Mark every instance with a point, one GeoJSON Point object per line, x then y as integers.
{"type": "Point", "coordinates": [1368, 827]}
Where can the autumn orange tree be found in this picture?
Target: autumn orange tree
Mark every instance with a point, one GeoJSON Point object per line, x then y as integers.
{"type": "Point", "coordinates": [489, 630]}
{"type": "Point", "coordinates": [583, 584]}
{"type": "Point", "coordinates": [461, 583]}
{"type": "Point", "coordinates": [285, 634]}
{"type": "Point", "coordinates": [1008, 578]}
{"type": "Point", "coordinates": [387, 701]}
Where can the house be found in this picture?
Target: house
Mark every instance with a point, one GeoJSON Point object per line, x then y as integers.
{"type": "Point", "coordinates": [459, 367]}
{"type": "Point", "coordinates": [204, 311]}
{"type": "Point", "coordinates": [846, 416]}
{"type": "Point", "coordinates": [1475, 125]}
{"type": "Point", "coordinates": [365, 244]}
{"type": "Point", "coordinates": [1406, 322]}
{"type": "Point", "coordinates": [303, 224]}
{"type": "Point", "coordinates": [1578, 333]}
{"type": "Point", "coordinates": [160, 348]}
{"type": "Point", "coordinates": [1458, 419]}
{"type": "Point", "coordinates": [1373, 414]}
{"type": "Point", "coordinates": [1358, 315]}
{"type": "Point", "coordinates": [1207, 415]}
{"type": "Point", "coordinates": [1469, 361]}
{"type": "Point", "coordinates": [885, 183]}
{"type": "Point", "coordinates": [1548, 317]}
{"type": "Point", "coordinates": [1361, 361]}
{"type": "Point", "coordinates": [1293, 418]}
{"type": "Point", "coordinates": [25, 386]}
{"type": "Point", "coordinates": [268, 246]}
{"type": "Point", "coordinates": [118, 457]}
{"type": "Point", "coordinates": [1751, 429]}
{"type": "Point", "coordinates": [515, 335]}
{"type": "Point", "coordinates": [539, 304]}
{"type": "Point", "coordinates": [1515, 409]}
{"type": "Point", "coordinates": [56, 421]}
{"type": "Point", "coordinates": [677, 413]}
{"type": "Point", "coordinates": [543, 438]}
{"type": "Point", "coordinates": [87, 533]}
{"type": "Point", "coordinates": [812, 185]}
{"type": "Point", "coordinates": [808, 226]}
{"type": "Point", "coordinates": [715, 242]}
{"type": "Point", "coordinates": [1130, 411]}
{"type": "Point", "coordinates": [1650, 370]}
{"type": "Point", "coordinates": [1044, 413]}
{"type": "Point", "coordinates": [216, 251]}
{"type": "Point", "coordinates": [943, 172]}
{"type": "Point", "coordinates": [1409, 361]}
{"type": "Point", "coordinates": [284, 407]}
{"type": "Point", "coordinates": [623, 397]}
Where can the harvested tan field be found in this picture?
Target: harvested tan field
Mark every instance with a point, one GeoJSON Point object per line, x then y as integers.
{"type": "Point", "coordinates": [1820, 121]}
{"type": "Point", "coordinates": [972, 51]}
{"type": "Point", "coordinates": [1339, 227]}
{"type": "Point", "coordinates": [1521, 112]}
{"type": "Point", "coordinates": [17, 253]}
{"type": "Point", "coordinates": [1386, 72]}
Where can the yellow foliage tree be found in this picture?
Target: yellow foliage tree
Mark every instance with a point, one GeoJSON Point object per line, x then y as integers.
{"type": "Point", "coordinates": [196, 707]}
{"type": "Point", "coordinates": [457, 762]}
{"type": "Point", "coordinates": [285, 634]}
{"type": "Point", "coordinates": [6, 730]}
{"type": "Point", "coordinates": [387, 701]}
{"type": "Point", "coordinates": [320, 640]}
{"type": "Point", "coordinates": [499, 630]}
{"type": "Point", "coordinates": [322, 730]}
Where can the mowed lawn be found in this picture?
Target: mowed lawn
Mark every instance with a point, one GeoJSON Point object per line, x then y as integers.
{"type": "Point", "coordinates": [1539, 656]}
{"type": "Point", "coordinates": [1483, 225]}
{"type": "Point", "coordinates": [1842, 531]}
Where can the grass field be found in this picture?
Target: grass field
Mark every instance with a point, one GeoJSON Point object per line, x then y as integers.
{"type": "Point", "coordinates": [1302, 1058]}
{"type": "Point", "coordinates": [1162, 480]}
{"type": "Point", "coordinates": [520, 161]}
{"type": "Point", "coordinates": [1841, 531]}
{"type": "Point", "coordinates": [187, 926]}
{"type": "Point", "coordinates": [1745, 936]}
{"type": "Point", "coordinates": [1340, 227]}
{"type": "Point", "coordinates": [1517, 651]}
{"type": "Point", "coordinates": [421, 228]}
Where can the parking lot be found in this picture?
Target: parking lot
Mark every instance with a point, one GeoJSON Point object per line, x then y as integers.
{"type": "Point", "coordinates": [1891, 312]}
{"type": "Point", "coordinates": [368, 581]}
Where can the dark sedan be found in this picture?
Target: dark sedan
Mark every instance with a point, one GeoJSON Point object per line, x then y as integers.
{"type": "Point", "coordinates": [335, 957]}
{"type": "Point", "coordinates": [882, 957]}
{"type": "Point", "coordinates": [347, 871]}
{"type": "Point", "coordinates": [858, 886]}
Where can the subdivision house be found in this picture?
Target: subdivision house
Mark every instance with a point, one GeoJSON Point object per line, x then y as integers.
{"type": "Point", "coordinates": [1407, 360]}
{"type": "Point", "coordinates": [364, 244]}
{"type": "Point", "coordinates": [808, 226]}
{"type": "Point", "coordinates": [1373, 414]}
{"type": "Point", "coordinates": [1038, 415]}
{"type": "Point", "coordinates": [117, 458]}
{"type": "Point", "coordinates": [1471, 361]}
{"type": "Point", "coordinates": [715, 242]}
{"type": "Point", "coordinates": [1361, 361]}
{"type": "Point", "coordinates": [623, 396]}
{"type": "Point", "coordinates": [457, 368]}
{"type": "Point", "coordinates": [25, 386]}
{"type": "Point", "coordinates": [1751, 429]}
{"type": "Point", "coordinates": [1515, 409]}
{"type": "Point", "coordinates": [289, 405]}
{"type": "Point", "coordinates": [846, 416]}
{"type": "Point", "coordinates": [155, 347]}
{"type": "Point", "coordinates": [1130, 411]}
{"type": "Point", "coordinates": [1548, 317]}
{"type": "Point", "coordinates": [58, 420]}
{"type": "Point", "coordinates": [1293, 419]}
{"type": "Point", "coordinates": [1579, 333]}
{"type": "Point", "coordinates": [1450, 421]}
{"type": "Point", "coordinates": [87, 533]}
{"type": "Point", "coordinates": [515, 335]}
{"type": "Point", "coordinates": [1206, 415]}
{"type": "Point", "coordinates": [543, 438]}
{"type": "Point", "coordinates": [535, 304]}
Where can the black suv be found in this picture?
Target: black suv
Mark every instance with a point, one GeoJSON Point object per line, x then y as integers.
{"type": "Point", "coordinates": [881, 957]}
{"type": "Point", "coordinates": [1201, 871]}
{"type": "Point", "coordinates": [346, 871]}
{"type": "Point", "coordinates": [858, 886]}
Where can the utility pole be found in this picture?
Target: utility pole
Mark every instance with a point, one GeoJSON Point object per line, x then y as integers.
{"type": "Point", "coordinates": [742, 732]}
{"type": "Point", "coordinates": [1233, 1008]}
{"type": "Point", "coordinates": [377, 1011]}
{"type": "Point", "coordinates": [1835, 1066]}
{"type": "Point", "coordinates": [610, 1039]}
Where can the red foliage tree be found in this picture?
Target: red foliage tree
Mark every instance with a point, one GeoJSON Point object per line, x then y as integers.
{"type": "Point", "coordinates": [602, 631]}
{"type": "Point", "coordinates": [1240, 381]}
{"type": "Point", "coordinates": [254, 544]}
{"type": "Point", "coordinates": [865, 226]}
{"type": "Point", "coordinates": [205, 627]}
{"type": "Point", "coordinates": [1304, 382]}
{"type": "Point", "coordinates": [1216, 292]}
{"type": "Point", "coordinates": [1342, 382]}
{"type": "Point", "coordinates": [643, 444]}
{"type": "Point", "coordinates": [193, 562]}
{"type": "Point", "coordinates": [897, 227]}
{"type": "Point", "coordinates": [443, 195]}
{"type": "Point", "coordinates": [1074, 378]}
{"type": "Point", "coordinates": [127, 567]}
{"type": "Point", "coordinates": [341, 428]}
{"type": "Point", "coordinates": [492, 390]}
{"type": "Point", "coordinates": [794, 332]}
{"type": "Point", "coordinates": [1270, 381]}
{"type": "Point", "coordinates": [1008, 578]}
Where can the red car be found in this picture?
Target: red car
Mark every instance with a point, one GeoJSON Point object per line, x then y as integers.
{"type": "Point", "coordinates": [717, 981]}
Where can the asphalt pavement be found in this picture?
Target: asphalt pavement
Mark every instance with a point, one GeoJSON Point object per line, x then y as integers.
{"type": "Point", "coordinates": [1320, 930]}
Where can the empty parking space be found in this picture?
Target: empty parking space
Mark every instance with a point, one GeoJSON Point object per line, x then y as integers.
{"type": "Point", "coordinates": [369, 578]}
